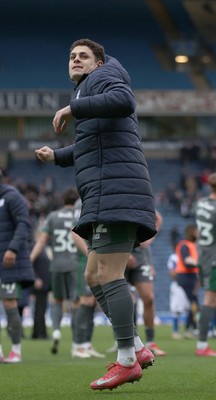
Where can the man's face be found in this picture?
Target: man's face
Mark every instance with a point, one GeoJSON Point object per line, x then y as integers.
{"type": "Point", "coordinates": [82, 61]}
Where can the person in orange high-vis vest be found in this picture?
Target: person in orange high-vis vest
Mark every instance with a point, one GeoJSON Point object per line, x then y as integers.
{"type": "Point", "coordinates": [187, 275]}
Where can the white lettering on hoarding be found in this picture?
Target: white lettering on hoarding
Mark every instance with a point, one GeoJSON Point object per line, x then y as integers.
{"type": "Point", "coordinates": [29, 101]}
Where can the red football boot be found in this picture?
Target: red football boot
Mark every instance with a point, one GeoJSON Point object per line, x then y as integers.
{"type": "Point", "coordinates": [117, 375]}
{"type": "Point", "coordinates": [145, 358]}
{"type": "Point", "coordinates": [208, 352]}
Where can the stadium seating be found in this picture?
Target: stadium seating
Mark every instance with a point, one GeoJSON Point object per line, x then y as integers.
{"type": "Point", "coordinates": [148, 74]}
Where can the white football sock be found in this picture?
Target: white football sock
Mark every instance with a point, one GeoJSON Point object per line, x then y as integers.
{"type": "Point", "coordinates": [202, 345]}
{"type": "Point", "coordinates": [126, 356]}
{"type": "Point", "coordinates": [138, 343]}
{"type": "Point", "coordinates": [16, 348]}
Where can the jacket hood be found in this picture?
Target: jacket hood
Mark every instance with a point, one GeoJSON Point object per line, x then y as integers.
{"type": "Point", "coordinates": [111, 67]}
{"type": "Point", "coordinates": [114, 66]}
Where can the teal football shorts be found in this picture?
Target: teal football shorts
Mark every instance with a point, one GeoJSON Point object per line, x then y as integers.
{"type": "Point", "coordinates": [113, 238]}
{"type": "Point", "coordinates": [208, 281]}
{"type": "Point", "coordinates": [10, 291]}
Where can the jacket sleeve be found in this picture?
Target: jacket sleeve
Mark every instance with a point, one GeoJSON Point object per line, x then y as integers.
{"type": "Point", "coordinates": [64, 156]}
{"type": "Point", "coordinates": [19, 214]}
{"type": "Point", "coordinates": [108, 98]}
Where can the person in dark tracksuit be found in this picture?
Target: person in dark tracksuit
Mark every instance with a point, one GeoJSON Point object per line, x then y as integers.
{"type": "Point", "coordinates": [16, 270]}
{"type": "Point", "coordinates": [40, 291]}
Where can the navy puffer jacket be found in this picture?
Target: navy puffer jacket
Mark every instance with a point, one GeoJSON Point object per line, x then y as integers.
{"type": "Point", "coordinates": [15, 235]}
{"type": "Point", "coordinates": [111, 172]}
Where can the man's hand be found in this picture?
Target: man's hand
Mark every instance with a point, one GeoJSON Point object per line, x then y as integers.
{"type": "Point", "coordinates": [62, 119]}
{"type": "Point", "coordinates": [9, 258]}
{"type": "Point", "coordinates": [45, 154]}
{"type": "Point", "coordinates": [38, 283]}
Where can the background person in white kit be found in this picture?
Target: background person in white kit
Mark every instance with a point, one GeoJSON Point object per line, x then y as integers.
{"type": "Point", "coordinates": [178, 300]}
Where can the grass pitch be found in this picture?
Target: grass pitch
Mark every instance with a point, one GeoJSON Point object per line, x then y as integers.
{"type": "Point", "coordinates": [43, 376]}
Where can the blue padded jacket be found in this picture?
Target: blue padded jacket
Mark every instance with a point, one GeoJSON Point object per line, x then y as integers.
{"type": "Point", "coordinates": [111, 171]}
{"type": "Point", "coordinates": [15, 235]}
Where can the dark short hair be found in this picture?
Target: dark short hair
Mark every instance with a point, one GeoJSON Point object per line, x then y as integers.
{"type": "Point", "coordinates": [190, 230]}
{"type": "Point", "coordinates": [70, 196]}
{"type": "Point", "coordinates": [97, 49]}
